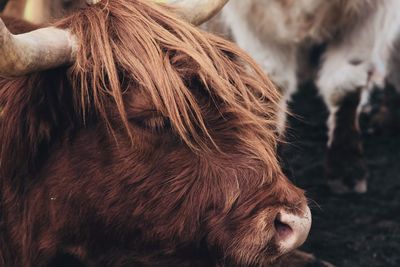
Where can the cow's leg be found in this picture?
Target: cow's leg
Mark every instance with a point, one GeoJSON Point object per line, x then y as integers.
{"type": "Point", "coordinates": [387, 115]}
{"type": "Point", "coordinates": [381, 114]}
{"type": "Point", "coordinates": [341, 81]}
{"type": "Point", "coordinates": [345, 167]}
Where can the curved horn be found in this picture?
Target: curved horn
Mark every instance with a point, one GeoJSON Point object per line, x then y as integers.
{"type": "Point", "coordinates": [51, 47]}
{"type": "Point", "coordinates": [197, 11]}
{"type": "Point", "coordinates": [194, 11]}
{"type": "Point", "coordinates": [34, 51]}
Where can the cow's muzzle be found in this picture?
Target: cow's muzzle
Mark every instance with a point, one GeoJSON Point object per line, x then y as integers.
{"type": "Point", "coordinates": [292, 228]}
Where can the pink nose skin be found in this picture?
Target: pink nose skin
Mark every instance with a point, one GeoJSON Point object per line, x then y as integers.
{"type": "Point", "coordinates": [292, 230]}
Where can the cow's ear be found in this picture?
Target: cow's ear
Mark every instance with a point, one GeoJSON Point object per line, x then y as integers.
{"type": "Point", "coordinates": [36, 111]}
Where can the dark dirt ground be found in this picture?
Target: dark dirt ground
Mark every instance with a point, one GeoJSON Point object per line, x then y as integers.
{"type": "Point", "coordinates": [348, 230]}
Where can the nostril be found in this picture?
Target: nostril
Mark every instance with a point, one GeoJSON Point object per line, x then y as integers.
{"type": "Point", "coordinates": [292, 229]}
{"type": "Point", "coordinates": [283, 230]}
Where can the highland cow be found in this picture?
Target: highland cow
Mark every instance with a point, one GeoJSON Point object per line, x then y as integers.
{"type": "Point", "coordinates": [131, 138]}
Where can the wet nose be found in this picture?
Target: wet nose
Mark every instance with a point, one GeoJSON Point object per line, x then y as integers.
{"type": "Point", "coordinates": [292, 229]}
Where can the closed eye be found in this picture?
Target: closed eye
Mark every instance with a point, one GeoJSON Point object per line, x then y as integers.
{"type": "Point", "coordinates": [151, 121]}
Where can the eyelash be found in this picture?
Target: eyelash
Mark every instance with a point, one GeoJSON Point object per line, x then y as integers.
{"type": "Point", "coordinates": [158, 124]}
{"type": "Point", "coordinates": [155, 123]}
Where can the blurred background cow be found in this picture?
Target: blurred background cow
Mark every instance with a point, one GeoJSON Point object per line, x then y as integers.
{"type": "Point", "coordinates": [356, 38]}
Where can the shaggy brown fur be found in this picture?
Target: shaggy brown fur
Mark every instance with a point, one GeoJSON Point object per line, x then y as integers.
{"type": "Point", "coordinates": [156, 148]}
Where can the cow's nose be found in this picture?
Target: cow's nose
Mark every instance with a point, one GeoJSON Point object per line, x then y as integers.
{"type": "Point", "coordinates": [292, 229]}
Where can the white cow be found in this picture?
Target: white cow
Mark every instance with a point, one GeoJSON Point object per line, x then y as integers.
{"type": "Point", "coordinates": [358, 34]}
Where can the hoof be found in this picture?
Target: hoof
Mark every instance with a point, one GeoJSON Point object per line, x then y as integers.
{"type": "Point", "coordinates": [361, 186]}
{"type": "Point", "coordinates": [339, 187]}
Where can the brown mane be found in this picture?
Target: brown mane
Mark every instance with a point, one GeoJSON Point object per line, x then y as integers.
{"type": "Point", "coordinates": [144, 44]}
